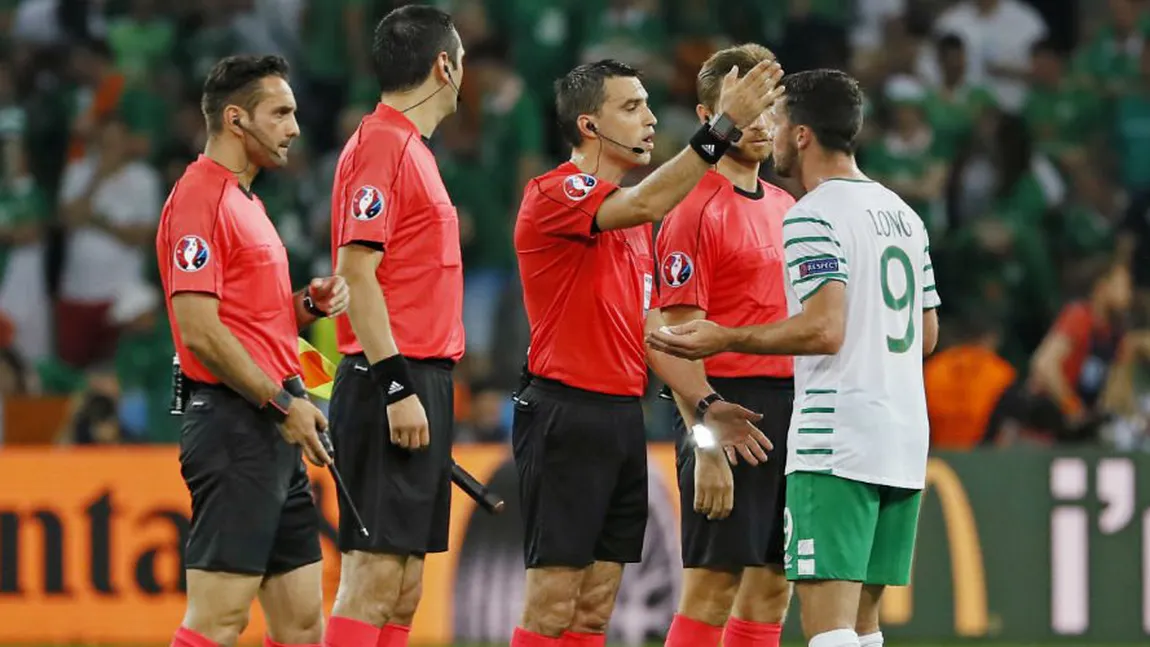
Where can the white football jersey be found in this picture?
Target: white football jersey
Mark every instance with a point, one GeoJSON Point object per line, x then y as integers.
{"type": "Point", "coordinates": [861, 413]}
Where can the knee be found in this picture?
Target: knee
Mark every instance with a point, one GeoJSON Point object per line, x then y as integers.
{"type": "Point", "coordinates": [369, 588]}
{"type": "Point", "coordinates": [765, 598]}
{"type": "Point", "coordinates": [405, 606]}
{"type": "Point", "coordinates": [591, 616]}
{"type": "Point", "coordinates": [708, 596]}
{"type": "Point", "coordinates": [222, 628]}
{"type": "Point", "coordinates": [551, 604]}
{"type": "Point", "coordinates": [299, 629]}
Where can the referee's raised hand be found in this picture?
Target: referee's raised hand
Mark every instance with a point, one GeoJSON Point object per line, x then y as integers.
{"type": "Point", "coordinates": [302, 427]}
{"type": "Point", "coordinates": [408, 423]}
{"type": "Point", "coordinates": [744, 99]}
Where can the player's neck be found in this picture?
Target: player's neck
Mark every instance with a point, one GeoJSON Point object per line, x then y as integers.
{"type": "Point", "coordinates": [229, 153]}
{"type": "Point", "coordinates": [605, 167]}
{"type": "Point", "coordinates": [422, 106]}
{"type": "Point", "coordinates": [821, 166]}
{"type": "Point", "coordinates": [744, 175]}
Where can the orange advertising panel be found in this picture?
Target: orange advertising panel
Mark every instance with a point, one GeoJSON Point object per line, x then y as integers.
{"type": "Point", "coordinates": [91, 543]}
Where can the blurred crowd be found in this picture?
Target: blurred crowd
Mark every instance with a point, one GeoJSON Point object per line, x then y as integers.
{"type": "Point", "coordinates": [1020, 132]}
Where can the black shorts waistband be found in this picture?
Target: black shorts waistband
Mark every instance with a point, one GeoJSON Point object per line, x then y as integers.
{"type": "Point", "coordinates": [442, 363]}
{"type": "Point", "coordinates": [555, 386]}
{"type": "Point", "coordinates": [757, 382]}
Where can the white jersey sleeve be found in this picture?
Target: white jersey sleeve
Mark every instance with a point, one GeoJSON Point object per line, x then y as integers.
{"type": "Point", "coordinates": [814, 253]}
{"type": "Point", "coordinates": [930, 298]}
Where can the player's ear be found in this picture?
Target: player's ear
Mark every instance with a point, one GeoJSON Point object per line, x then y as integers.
{"type": "Point", "coordinates": [702, 112]}
{"type": "Point", "coordinates": [233, 119]}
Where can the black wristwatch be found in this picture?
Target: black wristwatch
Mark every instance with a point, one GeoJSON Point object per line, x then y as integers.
{"type": "Point", "coordinates": [705, 404]}
{"type": "Point", "coordinates": [277, 407]}
{"type": "Point", "coordinates": [310, 306]}
{"type": "Point", "coordinates": [725, 129]}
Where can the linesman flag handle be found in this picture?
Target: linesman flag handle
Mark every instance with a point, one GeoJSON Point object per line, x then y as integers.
{"type": "Point", "coordinates": [318, 373]}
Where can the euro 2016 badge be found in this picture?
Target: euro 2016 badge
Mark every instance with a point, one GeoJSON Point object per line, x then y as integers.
{"type": "Point", "coordinates": [579, 186]}
{"type": "Point", "coordinates": [367, 203]}
{"type": "Point", "coordinates": [677, 269]}
{"type": "Point", "coordinates": [191, 254]}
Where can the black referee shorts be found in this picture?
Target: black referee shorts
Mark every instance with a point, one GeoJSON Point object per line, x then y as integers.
{"type": "Point", "coordinates": [753, 533]}
{"type": "Point", "coordinates": [582, 463]}
{"type": "Point", "coordinates": [252, 508]}
{"type": "Point", "coordinates": [404, 496]}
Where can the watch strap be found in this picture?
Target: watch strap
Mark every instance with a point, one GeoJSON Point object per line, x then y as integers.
{"type": "Point", "coordinates": [277, 408]}
{"type": "Point", "coordinates": [724, 127]}
{"type": "Point", "coordinates": [704, 404]}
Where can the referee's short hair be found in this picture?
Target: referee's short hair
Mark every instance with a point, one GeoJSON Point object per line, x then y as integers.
{"type": "Point", "coordinates": [581, 92]}
{"type": "Point", "coordinates": [710, 79]}
{"type": "Point", "coordinates": [829, 102]}
{"type": "Point", "coordinates": [407, 42]}
{"type": "Point", "coordinates": [235, 80]}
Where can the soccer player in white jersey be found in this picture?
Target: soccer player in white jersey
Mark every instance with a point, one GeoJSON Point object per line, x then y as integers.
{"type": "Point", "coordinates": [862, 303]}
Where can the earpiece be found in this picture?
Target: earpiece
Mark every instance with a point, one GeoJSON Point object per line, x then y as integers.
{"type": "Point", "coordinates": [236, 122]}
{"type": "Point", "coordinates": [591, 127]}
{"type": "Point", "coordinates": [595, 129]}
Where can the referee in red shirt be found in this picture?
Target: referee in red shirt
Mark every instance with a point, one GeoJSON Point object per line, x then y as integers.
{"type": "Point", "coordinates": [235, 322]}
{"type": "Point", "coordinates": [721, 258]}
{"type": "Point", "coordinates": [395, 238]}
{"type": "Point", "coordinates": [587, 269]}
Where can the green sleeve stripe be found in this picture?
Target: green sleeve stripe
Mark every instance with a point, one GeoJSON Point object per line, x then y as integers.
{"type": "Point", "coordinates": [820, 257]}
{"type": "Point", "coordinates": [929, 267]}
{"type": "Point", "coordinates": [819, 221]}
{"type": "Point", "coordinates": [818, 410]}
{"type": "Point", "coordinates": [825, 280]}
{"type": "Point", "coordinates": [828, 470]}
{"type": "Point", "coordinates": [815, 277]}
{"type": "Point", "coordinates": [815, 452]}
{"type": "Point", "coordinates": [816, 430]}
{"type": "Point", "coordinates": [929, 288]}
{"type": "Point", "coordinates": [820, 391]}
{"type": "Point", "coordinates": [811, 239]}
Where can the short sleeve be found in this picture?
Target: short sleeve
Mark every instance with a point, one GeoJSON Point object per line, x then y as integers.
{"type": "Point", "coordinates": [568, 204]}
{"type": "Point", "coordinates": [365, 205]}
{"type": "Point", "coordinates": [685, 257]}
{"type": "Point", "coordinates": [192, 240]}
{"type": "Point", "coordinates": [813, 252]}
{"type": "Point", "coordinates": [930, 298]}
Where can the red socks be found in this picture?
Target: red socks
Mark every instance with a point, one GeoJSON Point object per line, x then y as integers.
{"type": "Point", "coordinates": [742, 633]}
{"type": "Point", "coordinates": [268, 642]}
{"type": "Point", "coordinates": [686, 632]}
{"type": "Point", "coordinates": [571, 639]}
{"type": "Point", "coordinates": [185, 637]}
{"type": "Point", "coordinates": [524, 638]}
{"type": "Point", "coordinates": [393, 636]}
{"type": "Point", "coordinates": [345, 632]}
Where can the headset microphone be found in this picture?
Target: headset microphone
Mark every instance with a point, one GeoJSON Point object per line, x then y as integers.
{"type": "Point", "coordinates": [260, 140]}
{"type": "Point", "coordinates": [634, 149]}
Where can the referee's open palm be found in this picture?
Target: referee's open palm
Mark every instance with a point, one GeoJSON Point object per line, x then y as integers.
{"type": "Point", "coordinates": [734, 428]}
{"type": "Point", "coordinates": [408, 423]}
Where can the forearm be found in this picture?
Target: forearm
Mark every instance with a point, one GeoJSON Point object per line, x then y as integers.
{"type": "Point", "coordinates": [797, 335]}
{"type": "Point", "coordinates": [367, 313]}
{"type": "Point", "coordinates": [223, 355]}
{"type": "Point", "coordinates": [686, 378]}
{"type": "Point", "coordinates": [651, 199]}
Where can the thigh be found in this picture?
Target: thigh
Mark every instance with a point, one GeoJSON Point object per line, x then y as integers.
{"type": "Point", "coordinates": [229, 460]}
{"type": "Point", "coordinates": [893, 551]}
{"type": "Point", "coordinates": [395, 490]}
{"type": "Point", "coordinates": [625, 526]}
{"type": "Point", "coordinates": [293, 605]}
{"type": "Point", "coordinates": [438, 392]}
{"type": "Point", "coordinates": [566, 480]}
{"type": "Point", "coordinates": [830, 527]}
{"type": "Point", "coordinates": [297, 538]}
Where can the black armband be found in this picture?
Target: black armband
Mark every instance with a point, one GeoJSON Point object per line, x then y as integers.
{"type": "Point", "coordinates": [708, 145]}
{"type": "Point", "coordinates": [394, 376]}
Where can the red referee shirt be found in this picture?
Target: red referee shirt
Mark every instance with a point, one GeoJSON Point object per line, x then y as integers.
{"type": "Point", "coordinates": [388, 194]}
{"type": "Point", "coordinates": [721, 250]}
{"type": "Point", "coordinates": [215, 238]}
{"type": "Point", "coordinates": [586, 294]}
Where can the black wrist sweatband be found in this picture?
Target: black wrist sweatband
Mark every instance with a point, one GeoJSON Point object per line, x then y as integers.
{"type": "Point", "coordinates": [708, 145]}
{"type": "Point", "coordinates": [393, 376]}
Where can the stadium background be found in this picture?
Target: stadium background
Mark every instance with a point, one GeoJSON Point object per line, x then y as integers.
{"type": "Point", "coordinates": [1025, 149]}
